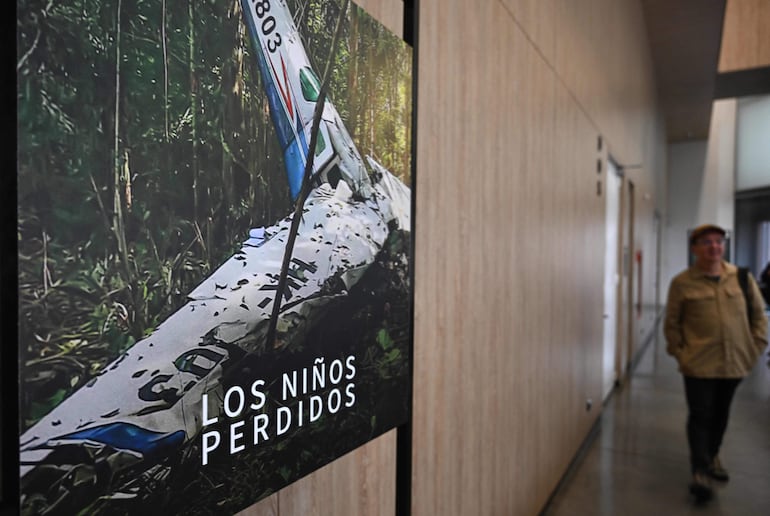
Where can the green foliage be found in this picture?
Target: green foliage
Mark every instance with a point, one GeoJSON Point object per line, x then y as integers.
{"type": "Point", "coordinates": [190, 164]}
{"type": "Point", "coordinates": [383, 339]}
{"type": "Point", "coordinates": [40, 408]}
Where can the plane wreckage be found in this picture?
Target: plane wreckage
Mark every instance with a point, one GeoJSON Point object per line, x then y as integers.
{"type": "Point", "coordinates": [147, 405]}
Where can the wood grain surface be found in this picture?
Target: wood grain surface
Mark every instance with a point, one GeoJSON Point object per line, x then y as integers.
{"type": "Point", "coordinates": [508, 324]}
{"type": "Point", "coordinates": [390, 13]}
{"type": "Point", "coordinates": [745, 35]}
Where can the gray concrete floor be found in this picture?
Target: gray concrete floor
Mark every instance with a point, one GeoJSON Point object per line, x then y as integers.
{"type": "Point", "coordinates": [638, 463]}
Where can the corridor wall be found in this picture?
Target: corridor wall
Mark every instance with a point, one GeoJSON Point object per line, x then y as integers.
{"type": "Point", "coordinates": [701, 186]}
{"type": "Point", "coordinates": [512, 99]}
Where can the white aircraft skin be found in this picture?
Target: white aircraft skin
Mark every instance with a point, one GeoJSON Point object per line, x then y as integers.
{"type": "Point", "coordinates": [158, 383]}
{"type": "Point", "coordinates": [292, 87]}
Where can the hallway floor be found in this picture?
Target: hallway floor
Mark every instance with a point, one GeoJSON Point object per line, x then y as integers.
{"type": "Point", "coordinates": [638, 463]}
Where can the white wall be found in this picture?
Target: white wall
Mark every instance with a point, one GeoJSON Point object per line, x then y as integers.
{"type": "Point", "coordinates": [753, 143]}
{"type": "Point", "coordinates": [701, 187]}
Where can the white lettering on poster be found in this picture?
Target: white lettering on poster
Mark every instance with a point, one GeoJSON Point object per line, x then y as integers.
{"type": "Point", "coordinates": [302, 401]}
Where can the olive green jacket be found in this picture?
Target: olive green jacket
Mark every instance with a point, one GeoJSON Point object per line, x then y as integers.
{"type": "Point", "coordinates": [707, 329]}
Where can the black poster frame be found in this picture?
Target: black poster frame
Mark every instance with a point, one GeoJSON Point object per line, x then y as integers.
{"type": "Point", "coordinates": [9, 386]}
{"type": "Point", "coordinates": [404, 432]}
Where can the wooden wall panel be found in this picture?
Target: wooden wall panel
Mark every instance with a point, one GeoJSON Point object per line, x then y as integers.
{"type": "Point", "coordinates": [509, 254]}
{"type": "Point", "coordinates": [361, 482]}
{"type": "Point", "coordinates": [745, 35]}
{"type": "Point", "coordinates": [390, 13]}
{"type": "Point", "coordinates": [598, 49]}
{"type": "Point", "coordinates": [508, 268]}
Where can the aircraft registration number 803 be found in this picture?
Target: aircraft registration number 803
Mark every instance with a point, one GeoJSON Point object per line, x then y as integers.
{"type": "Point", "coordinates": [261, 9]}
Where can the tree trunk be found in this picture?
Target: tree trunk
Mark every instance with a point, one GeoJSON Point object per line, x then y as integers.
{"type": "Point", "coordinates": [353, 96]}
{"type": "Point", "coordinates": [165, 70]}
{"type": "Point", "coordinates": [118, 225]}
{"type": "Point", "coordinates": [193, 109]}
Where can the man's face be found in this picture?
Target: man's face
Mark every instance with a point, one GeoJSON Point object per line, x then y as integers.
{"type": "Point", "coordinates": [709, 248]}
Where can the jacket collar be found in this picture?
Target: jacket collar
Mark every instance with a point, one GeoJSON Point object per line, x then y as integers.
{"type": "Point", "coordinates": [728, 268]}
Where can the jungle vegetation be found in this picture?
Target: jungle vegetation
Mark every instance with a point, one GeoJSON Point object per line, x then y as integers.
{"type": "Point", "coordinates": [145, 154]}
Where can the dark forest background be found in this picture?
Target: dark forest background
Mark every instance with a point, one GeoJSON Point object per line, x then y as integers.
{"type": "Point", "coordinates": [146, 152]}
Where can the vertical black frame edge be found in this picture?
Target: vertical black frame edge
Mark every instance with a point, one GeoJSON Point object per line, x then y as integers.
{"type": "Point", "coordinates": [9, 348]}
{"type": "Point", "coordinates": [404, 432]}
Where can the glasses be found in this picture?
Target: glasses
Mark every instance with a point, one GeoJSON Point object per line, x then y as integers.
{"type": "Point", "coordinates": [705, 242]}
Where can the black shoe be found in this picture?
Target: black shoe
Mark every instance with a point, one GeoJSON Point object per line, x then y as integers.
{"type": "Point", "coordinates": [700, 487]}
{"type": "Point", "coordinates": [717, 472]}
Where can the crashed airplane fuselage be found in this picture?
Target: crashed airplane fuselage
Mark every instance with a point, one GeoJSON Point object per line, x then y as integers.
{"type": "Point", "coordinates": [147, 404]}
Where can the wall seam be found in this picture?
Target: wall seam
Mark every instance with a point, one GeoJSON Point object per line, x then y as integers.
{"type": "Point", "coordinates": [550, 66]}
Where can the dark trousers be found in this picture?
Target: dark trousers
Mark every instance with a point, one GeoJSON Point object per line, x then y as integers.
{"type": "Point", "coordinates": [708, 401]}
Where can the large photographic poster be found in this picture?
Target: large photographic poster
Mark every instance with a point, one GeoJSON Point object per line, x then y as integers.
{"type": "Point", "coordinates": [208, 310]}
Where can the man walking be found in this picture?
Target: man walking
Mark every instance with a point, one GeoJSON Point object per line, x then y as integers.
{"type": "Point", "coordinates": [716, 330]}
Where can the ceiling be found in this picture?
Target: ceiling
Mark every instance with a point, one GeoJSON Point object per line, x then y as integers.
{"type": "Point", "coordinates": [686, 38]}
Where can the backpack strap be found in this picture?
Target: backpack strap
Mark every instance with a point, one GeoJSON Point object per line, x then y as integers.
{"type": "Point", "coordinates": [743, 281]}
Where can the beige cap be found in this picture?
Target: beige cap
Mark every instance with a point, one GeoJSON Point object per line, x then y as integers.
{"type": "Point", "coordinates": [703, 229]}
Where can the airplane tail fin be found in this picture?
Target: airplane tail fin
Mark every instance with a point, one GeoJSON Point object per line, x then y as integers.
{"type": "Point", "coordinates": [292, 89]}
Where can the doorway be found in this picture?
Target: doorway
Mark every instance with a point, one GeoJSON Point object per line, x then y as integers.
{"type": "Point", "coordinates": [613, 188]}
